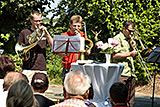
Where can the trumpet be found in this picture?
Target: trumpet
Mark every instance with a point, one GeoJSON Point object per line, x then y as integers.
{"type": "Point", "coordinates": [22, 50]}
{"type": "Point", "coordinates": [88, 42]}
{"type": "Point", "coordinates": [145, 52]}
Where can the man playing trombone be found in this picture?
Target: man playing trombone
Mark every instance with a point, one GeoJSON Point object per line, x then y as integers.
{"type": "Point", "coordinates": [36, 61]}
{"type": "Point", "coordinates": [124, 54]}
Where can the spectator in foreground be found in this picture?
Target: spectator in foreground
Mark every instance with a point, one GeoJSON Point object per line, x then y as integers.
{"type": "Point", "coordinates": [9, 79]}
{"type": "Point", "coordinates": [77, 86]}
{"type": "Point", "coordinates": [6, 65]}
{"type": "Point", "coordinates": [20, 94]}
{"type": "Point", "coordinates": [40, 84]}
{"type": "Point", "coordinates": [119, 95]}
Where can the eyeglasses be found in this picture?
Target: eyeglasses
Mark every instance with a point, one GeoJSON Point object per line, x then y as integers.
{"type": "Point", "coordinates": [76, 26]}
{"type": "Point", "coordinates": [37, 21]}
{"type": "Point", "coordinates": [130, 30]}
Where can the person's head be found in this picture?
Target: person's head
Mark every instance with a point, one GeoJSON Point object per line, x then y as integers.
{"type": "Point", "coordinates": [20, 95]}
{"type": "Point", "coordinates": [118, 93]}
{"type": "Point", "coordinates": [76, 23]}
{"type": "Point", "coordinates": [76, 83]}
{"type": "Point", "coordinates": [128, 28]}
{"type": "Point", "coordinates": [11, 78]}
{"type": "Point", "coordinates": [40, 82]}
{"type": "Point", "coordinates": [6, 65]}
{"type": "Point", "coordinates": [35, 19]}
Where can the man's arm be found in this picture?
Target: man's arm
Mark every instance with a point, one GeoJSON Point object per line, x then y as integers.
{"type": "Point", "coordinates": [49, 39]}
{"type": "Point", "coordinates": [125, 55]}
{"type": "Point", "coordinates": [48, 36]}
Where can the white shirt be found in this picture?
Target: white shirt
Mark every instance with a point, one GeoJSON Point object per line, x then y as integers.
{"type": "Point", "coordinates": [3, 94]}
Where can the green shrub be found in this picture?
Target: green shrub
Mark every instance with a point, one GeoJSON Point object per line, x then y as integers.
{"type": "Point", "coordinates": [54, 66]}
{"type": "Point", "coordinates": [17, 61]}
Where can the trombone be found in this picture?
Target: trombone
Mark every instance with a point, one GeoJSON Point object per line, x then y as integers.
{"type": "Point", "coordinates": [145, 52]}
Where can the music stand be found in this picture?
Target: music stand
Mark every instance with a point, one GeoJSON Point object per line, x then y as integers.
{"type": "Point", "coordinates": [66, 44]}
{"type": "Point", "coordinates": [154, 57]}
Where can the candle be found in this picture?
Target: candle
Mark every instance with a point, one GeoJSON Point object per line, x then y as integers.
{"type": "Point", "coordinates": [81, 43]}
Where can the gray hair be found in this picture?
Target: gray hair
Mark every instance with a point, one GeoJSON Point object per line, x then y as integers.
{"type": "Point", "coordinates": [77, 83]}
{"type": "Point", "coordinates": [20, 94]}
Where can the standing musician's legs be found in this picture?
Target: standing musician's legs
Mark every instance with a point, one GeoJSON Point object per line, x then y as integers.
{"type": "Point", "coordinates": [130, 83]}
{"type": "Point", "coordinates": [64, 73]}
{"type": "Point", "coordinates": [63, 77]}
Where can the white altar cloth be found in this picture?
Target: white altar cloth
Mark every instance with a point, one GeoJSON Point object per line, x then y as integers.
{"type": "Point", "coordinates": [102, 76]}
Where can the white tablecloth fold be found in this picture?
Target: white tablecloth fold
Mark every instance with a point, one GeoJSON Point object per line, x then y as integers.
{"type": "Point", "coordinates": [102, 76]}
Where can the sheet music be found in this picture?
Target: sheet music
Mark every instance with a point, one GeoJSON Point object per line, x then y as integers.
{"type": "Point", "coordinates": [64, 43]}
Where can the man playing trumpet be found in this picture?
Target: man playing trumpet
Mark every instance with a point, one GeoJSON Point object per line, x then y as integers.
{"type": "Point", "coordinates": [125, 53]}
{"type": "Point", "coordinates": [75, 25]}
{"type": "Point", "coordinates": [37, 58]}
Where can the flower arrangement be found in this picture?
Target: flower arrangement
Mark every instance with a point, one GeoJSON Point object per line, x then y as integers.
{"type": "Point", "coordinates": [107, 48]}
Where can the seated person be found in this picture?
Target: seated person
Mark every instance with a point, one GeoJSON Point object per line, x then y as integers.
{"type": "Point", "coordinates": [6, 65]}
{"type": "Point", "coordinates": [118, 95]}
{"type": "Point", "coordinates": [89, 97]}
{"type": "Point", "coordinates": [76, 86]}
{"type": "Point", "coordinates": [20, 94]}
{"type": "Point", "coordinates": [40, 85]}
{"type": "Point", "coordinates": [10, 78]}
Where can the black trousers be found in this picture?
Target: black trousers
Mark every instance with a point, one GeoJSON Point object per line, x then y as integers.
{"type": "Point", "coordinates": [130, 82]}
{"type": "Point", "coordinates": [64, 73]}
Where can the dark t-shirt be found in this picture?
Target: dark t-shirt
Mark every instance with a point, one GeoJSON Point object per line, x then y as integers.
{"type": "Point", "coordinates": [43, 101]}
{"type": "Point", "coordinates": [37, 59]}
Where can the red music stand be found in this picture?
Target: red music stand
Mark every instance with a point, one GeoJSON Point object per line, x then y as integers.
{"type": "Point", "coordinates": [154, 57]}
{"type": "Point", "coordinates": [66, 44]}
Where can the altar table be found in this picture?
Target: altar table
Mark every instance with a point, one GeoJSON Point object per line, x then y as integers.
{"type": "Point", "coordinates": [102, 77]}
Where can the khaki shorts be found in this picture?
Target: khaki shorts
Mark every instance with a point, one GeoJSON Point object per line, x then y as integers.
{"type": "Point", "coordinates": [30, 73]}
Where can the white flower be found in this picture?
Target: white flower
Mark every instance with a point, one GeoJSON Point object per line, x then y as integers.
{"type": "Point", "coordinates": [110, 40]}
{"type": "Point", "coordinates": [104, 46]}
{"type": "Point", "coordinates": [107, 47]}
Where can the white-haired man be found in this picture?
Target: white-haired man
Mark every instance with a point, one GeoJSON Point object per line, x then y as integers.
{"type": "Point", "coordinates": [76, 85]}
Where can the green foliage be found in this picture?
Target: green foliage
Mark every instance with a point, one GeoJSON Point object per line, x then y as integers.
{"type": "Point", "coordinates": [17, 61]}
{"type": "Point", "coordinates": [4, 38]}
{"type": "Point", "coordinates": [54, 66]}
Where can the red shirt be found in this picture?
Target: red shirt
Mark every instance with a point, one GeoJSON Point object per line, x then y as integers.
{"type": "Point", "coordinates": [72, 57]}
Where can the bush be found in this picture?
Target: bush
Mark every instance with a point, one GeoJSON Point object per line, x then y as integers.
{"type": "Point", "coordinates": [54, 67]}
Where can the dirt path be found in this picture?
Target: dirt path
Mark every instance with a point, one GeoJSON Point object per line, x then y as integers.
{"type": "Point", "coordinates": [148, 89]}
